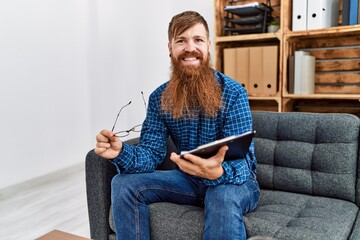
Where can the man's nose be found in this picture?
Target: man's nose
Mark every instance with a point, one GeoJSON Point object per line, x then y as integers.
{"type": "Point", "coordinates": [190, 46]}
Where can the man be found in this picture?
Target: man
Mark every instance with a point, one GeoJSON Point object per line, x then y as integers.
{"type": "Point", "coordinates": [198, 105]}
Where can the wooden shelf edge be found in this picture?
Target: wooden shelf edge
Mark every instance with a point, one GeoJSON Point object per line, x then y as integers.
{"type": "Point", "coordinates": [248, 37]}
{"type": "Point", "coordinates": [324, 96]}
{"type": "Point", "coordinates": [260, 98]}
{"type": "Point", "coordinates": [339, 31]}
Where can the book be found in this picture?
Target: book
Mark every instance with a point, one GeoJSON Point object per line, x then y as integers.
{"type": "Point", "coordinates": [238, 147]}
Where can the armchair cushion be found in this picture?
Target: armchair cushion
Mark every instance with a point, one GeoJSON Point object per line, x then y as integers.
{"type": "Point", "coordinates": [286, 215]}
{"type": "Point", "coordinates": [280, 215]}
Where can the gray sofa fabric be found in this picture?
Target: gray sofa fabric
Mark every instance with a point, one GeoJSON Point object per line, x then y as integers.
{"type": "Point", "coordinates": [307, 170]}
{"type": "Point", "coordinates": [309, 154]}
{"type": "Point", "coordinates": [285, 215]}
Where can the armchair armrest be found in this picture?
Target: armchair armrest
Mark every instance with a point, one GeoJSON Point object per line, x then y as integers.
{"type": "Point", "coordinates": [99, 173]}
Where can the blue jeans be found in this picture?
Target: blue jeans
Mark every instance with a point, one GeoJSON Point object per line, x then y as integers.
{"type": "Point", "coordinates": [224, 205]}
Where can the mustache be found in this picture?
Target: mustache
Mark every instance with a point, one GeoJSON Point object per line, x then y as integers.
{"type": "Point", "coordinates": [190, 54]}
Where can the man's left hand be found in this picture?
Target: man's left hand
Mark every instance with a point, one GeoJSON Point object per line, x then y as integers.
{"type": "Point", "coordinates": [210, 168]}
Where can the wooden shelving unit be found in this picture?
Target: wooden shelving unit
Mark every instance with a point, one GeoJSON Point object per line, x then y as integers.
{"type": "Point", "coordinates": [259, 102]}
{"type": "Point", "coordinates": [337, 81]}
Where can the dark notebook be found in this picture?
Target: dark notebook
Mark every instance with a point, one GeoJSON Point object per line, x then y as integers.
{"type": "Point", "coordinates": [238, 147]}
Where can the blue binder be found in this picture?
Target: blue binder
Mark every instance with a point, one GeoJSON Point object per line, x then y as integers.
{"type": "Point", "coordinates": [353, 13]}
{"type": "Point", "coordinates": [345, 12]}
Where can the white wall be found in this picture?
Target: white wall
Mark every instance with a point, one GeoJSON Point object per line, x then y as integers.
{"type": "Point", "coordinates": [67, 66]}
{"type": "Point", "coordinates": [130, 45]}
{"type": "Point", "coordinates": [44, 97]}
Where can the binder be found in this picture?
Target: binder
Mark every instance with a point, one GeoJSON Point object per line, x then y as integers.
{"type": "Point", "coordinates": [270, 63]}
{"type": "Point", "coordinates": [345, 12]}
{"type": "Point", "coordinates": [323, 13]}
{"type": "Point", "coordinates": [230, 62]}
{"type": "Point", "coordinates": [307, 74]}
{"type": "Point", "coordinates": [291, 74]}
{"type": "Point", "coordinates": [297, 70]}
{"type": "Point", "coordinates": [254, 67]}
{"type": "Point", "coordinates": [242, 70]}
{"type": "Point", "coordinates": [358, 13]}
{"type": "Point", "coordinates": [353, 12]}
{"type": "Point", "coordinates": [236, 65]}
{"type": "Point", "coordinates": [304, 73]}
{"type": "Point", "coordinates": [256, 73]}
{"type": "Point", "coordinates": [299, 15]}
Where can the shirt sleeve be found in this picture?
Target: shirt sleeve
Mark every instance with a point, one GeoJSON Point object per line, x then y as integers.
{"type": "Point", "coordinates": [151, 150]}
{"type": "Point", "coordinates": [237, 120]}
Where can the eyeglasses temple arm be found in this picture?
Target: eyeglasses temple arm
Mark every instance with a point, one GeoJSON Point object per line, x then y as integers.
{"type": "Point", "coordinates": [142, 95]}
{"type": "Point", "coordinates": [112, 129]}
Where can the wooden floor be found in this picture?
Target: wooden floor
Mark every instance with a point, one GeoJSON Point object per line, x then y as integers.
{"type": "Point", "coordinates": [56, 201]}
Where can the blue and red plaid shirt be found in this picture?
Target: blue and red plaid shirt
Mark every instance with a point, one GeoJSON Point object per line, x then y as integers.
{"type": "Point", "coordinates": [187, 133]}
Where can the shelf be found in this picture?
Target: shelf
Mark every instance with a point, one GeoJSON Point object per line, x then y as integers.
{"type": "Point", "coordinates": [262, 98]}
{"type": "Point", "coordinates": [248, 37]}
{"type": "Point", "coordinates": [323, 96]}
{"type": "Point", "coordinates": [328, 45]}
{"type": "Point", "coordinates": [265, 103]}
{"type": "Point", "coordinates": [339, 31]}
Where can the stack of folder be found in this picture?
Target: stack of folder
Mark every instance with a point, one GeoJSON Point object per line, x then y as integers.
{"type": "Point", "coordinates": [246, 18]}
{"type": "Point", "coordinates": [310, 14]}
{"type": "Point", "coordinates": [256, 68]}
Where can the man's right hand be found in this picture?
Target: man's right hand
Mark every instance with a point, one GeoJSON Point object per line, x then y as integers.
{"type": "Point", "coordinates": [108, 145]}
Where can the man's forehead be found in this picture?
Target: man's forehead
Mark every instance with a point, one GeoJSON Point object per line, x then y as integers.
{"type": "Point", "coordinates": [196, 31]}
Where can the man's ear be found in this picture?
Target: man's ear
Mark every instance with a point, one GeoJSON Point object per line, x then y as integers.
{"type": "Point", "coordinates": [169, 47]}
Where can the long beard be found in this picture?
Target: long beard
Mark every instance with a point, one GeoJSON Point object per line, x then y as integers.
{"type": "Point", "coordinates": [191, 89]}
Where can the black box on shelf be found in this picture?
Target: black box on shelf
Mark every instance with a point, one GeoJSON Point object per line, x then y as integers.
{"type": "Point", "coordinates": [246, 18]}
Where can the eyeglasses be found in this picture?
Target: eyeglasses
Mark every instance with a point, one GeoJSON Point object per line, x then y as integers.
{"type": "Point", "coordinates": [136, 128]}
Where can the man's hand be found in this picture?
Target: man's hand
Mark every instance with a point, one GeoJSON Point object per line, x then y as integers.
{"type": "Point", "coordinates": [210, 168]}
{"type": "Point", "coordinates": [108, 145]}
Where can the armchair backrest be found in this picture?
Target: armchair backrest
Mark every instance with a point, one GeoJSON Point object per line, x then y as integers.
{"type": "Point", "coordinates": [309, 153]}
{"type": "Point", "coordinates": [168, 164]}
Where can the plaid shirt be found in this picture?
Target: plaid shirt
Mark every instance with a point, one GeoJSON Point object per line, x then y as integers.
{"type": "Point", "coordinates": [187, 133]}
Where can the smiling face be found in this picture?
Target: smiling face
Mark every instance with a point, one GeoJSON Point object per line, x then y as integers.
{"type": "Point", "coordinates": [192, 88]}
{"type": "Point", "coordinates": [190, 47]}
